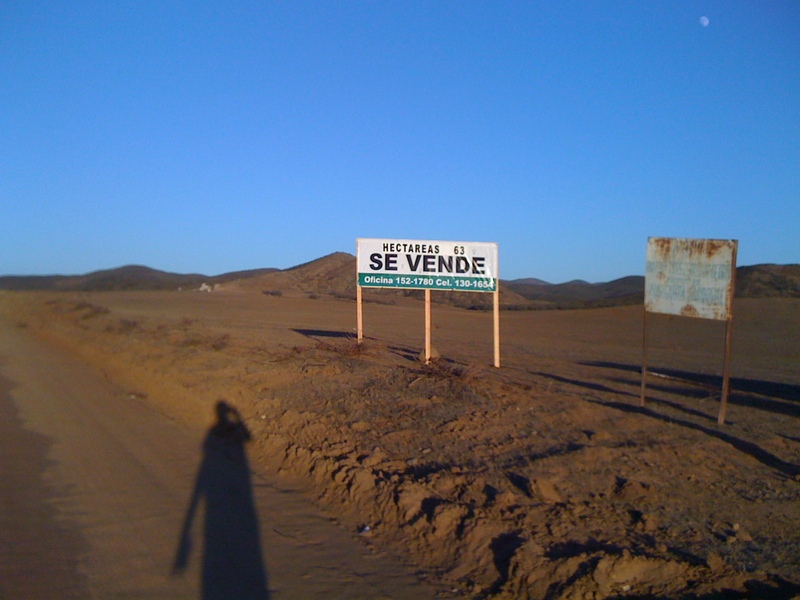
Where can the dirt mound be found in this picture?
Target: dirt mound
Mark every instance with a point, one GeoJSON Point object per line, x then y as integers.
{"type": "Point", "coordinates": [438, 459]}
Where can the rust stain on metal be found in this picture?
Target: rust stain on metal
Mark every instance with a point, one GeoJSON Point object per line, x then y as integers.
{"type": "Point", "coordinates": [707, 248]}
{"type": "Point", "coordinates": [662, 245]}
{"type": "Point", "coordinates": [689, 311]}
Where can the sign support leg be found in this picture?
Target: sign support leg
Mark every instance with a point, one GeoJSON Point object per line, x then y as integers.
{"type": "Point", "coordinates": [496, 318]}
{"type": "Point", "coordinates": [644, 358]}
{"type": "Point", "coordinates": [359, 316]}
{"type": "Point", "coordinates": [726, 372]}
{"type": "Point", "coordinates": [726, 367]}
{"type": "Point", "coordinates": [427, 326]}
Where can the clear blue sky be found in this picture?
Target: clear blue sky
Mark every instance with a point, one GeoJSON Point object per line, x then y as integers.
{"type": "Point", "coordinates": [218, 136]}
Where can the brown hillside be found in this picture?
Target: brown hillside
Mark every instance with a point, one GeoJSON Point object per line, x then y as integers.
{"type": "Point", "coordinates": [335, 275]}
{"type": "Point", "coordinates": [332, 275]}
{"type": "Point", "coordinates": [768, 281]}
{"type": "Point", "coordinates": [475, 301]}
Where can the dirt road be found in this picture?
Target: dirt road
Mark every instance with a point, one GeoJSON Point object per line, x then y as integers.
{"type": "Point", "coordinates": [104, 497]}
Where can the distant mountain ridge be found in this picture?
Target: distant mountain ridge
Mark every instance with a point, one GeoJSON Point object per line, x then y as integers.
{"type": "Point", "coordinates": [579, 293]}
{"type": "Point", "coordinates": [334, 275]}
{"type": "Point", "coordinates": [531, 281]}
{"type": "Point", "coordinates": [129, 277]}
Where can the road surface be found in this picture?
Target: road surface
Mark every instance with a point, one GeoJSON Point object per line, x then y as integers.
{"type": "Point", "coordinates": [104, 497]}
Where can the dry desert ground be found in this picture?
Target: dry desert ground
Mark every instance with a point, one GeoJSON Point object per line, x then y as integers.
{"type": "Point", "coordinates": [541, 479]}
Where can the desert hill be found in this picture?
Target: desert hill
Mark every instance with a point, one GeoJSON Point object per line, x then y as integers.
{"type": "Point", "coordinates": [768, 281]}
{"type": "Point", "coordinates": [334, 275]}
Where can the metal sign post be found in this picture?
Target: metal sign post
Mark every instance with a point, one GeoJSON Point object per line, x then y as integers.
{"type": "Point", "coordinates": [691, 278]}
{"type": "Point", "coordinates": [644, 358]}
{"type": "Point", "coordinates": [726, 365]}
{"type": "Point", "coordinates": [428, 265]}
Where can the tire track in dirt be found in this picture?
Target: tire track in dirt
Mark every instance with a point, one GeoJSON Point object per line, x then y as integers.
{"type": "Point", "coordinates": [39, 550]}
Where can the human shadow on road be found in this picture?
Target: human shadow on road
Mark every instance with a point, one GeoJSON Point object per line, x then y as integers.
{"type": "Point", "coordinates": [232, 564]}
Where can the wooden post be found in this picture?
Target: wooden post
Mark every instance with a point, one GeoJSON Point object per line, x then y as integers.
{"type": "Point", "coordinates": [497, 326]}
{"type": "Point", "coordinates": [644, 357]}
{"type": "Point", "coordinates": [427, 326]}
{"type": "Point", "coordinates": [359, 316]}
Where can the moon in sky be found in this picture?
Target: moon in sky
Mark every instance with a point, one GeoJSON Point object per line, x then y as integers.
{"type": "Point", "coordinates": [704, 21]}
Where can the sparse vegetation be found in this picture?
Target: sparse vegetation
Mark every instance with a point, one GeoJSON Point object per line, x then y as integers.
{"type": "Point", "coordinates": [123, 326]}
{"type": "Point", "coordinates": [89, 310]}
{"type": "Point", "coordinates": [200, 340]}
{"type": "Point", "coordinates": [220, 342]}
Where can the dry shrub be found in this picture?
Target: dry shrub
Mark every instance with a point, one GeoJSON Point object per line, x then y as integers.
{"type": "Point", "coordinates": [190, 341]}
{"type": "Point", "coordinates": [215, 342]}
{"type": "Point", "coordinates": [123, 326]}
{"type": "Point", "coordinates": [343, 349]}
{"type": "Point", "coordinates": [221, 342]}
{"type": "Point", "coordinates": [89, 310]}
{"type": "Point", "coordinates": [82, 305]}
{"type": "Point", "coordinates": [473, 373]}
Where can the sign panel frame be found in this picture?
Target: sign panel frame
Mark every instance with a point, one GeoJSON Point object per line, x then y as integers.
{"type": "Point", "coordinates": [428, 265]}
{"type": "Point", "coordinates": [690, 277]}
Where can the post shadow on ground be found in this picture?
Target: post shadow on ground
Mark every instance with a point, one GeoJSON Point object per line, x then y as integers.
{"type": "Point", "coordinates": [787, 392]}
{"type": "Point", "coordinates": [325, 333]}
{"type": "Point", "coordinates": [232, 563]}
{"type": "Point", "coordinates": [763, 456]}
{"type": "Point", "coordinates": [766, 458]}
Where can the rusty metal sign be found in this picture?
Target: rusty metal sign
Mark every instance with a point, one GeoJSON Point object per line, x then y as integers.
{"type": "Point", "coordinates": [690, 277]}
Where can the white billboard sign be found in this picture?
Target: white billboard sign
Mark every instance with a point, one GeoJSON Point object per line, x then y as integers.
{"type": "Point", "coordinates": [426, 264]}
{"type": "Point", "coordinates": [690, 277]}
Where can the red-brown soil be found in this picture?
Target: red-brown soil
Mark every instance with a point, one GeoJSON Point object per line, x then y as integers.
{"type": "Point", "coordinates": [542, 479]}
